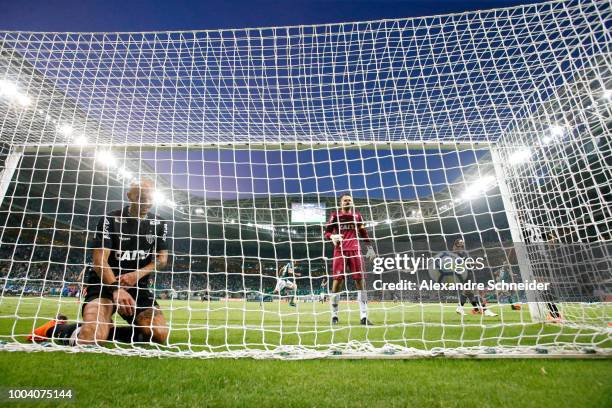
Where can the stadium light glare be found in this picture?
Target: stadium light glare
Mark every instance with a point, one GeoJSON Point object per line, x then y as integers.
{"type": "Point", "coordinates": [8, 89]}
{"type": "Point", "coordinates": [23, 100]}
{"type": "Point", "coordinates": [556, 131]}
{"type": "Point", "coordinates": [199, 211]}
{"type": "Point", "coordinates": [105, 157]}
{"type": "Point", "coordinates": [125, 173]}
{"type": "Point", "coordinates": [547, 139]}
{"type": "Point", "coordinates": [520, 156]}
{"type": "Point", "coordinates": [607, 94]}
{"type": "Point", "coordinates": [80, 140]}
{"type": "Point", "coordinates": [388, 221]}
{"type": "Point", "coordinates": [65, 130]}
{"type": "Point", "coordinates": [478, 188]}
{"type": "Point", "coordinates": [159, 198]}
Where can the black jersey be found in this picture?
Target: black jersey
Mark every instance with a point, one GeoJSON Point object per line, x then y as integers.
{"type": "Point", "coordinates": [463, 254]}
{"type": "Point", "coordinates": [133, 241]}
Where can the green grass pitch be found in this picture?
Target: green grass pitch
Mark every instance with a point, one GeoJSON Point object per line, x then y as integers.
{"type": "Point", "coordinates": [104, 380]}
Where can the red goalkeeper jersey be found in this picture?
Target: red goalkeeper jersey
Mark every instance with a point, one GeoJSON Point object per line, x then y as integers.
{"type": "Point", "coordinates": [351, 226]}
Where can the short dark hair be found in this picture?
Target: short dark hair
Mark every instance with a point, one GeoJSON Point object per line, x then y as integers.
{"type": "Point", "coordinates": [342, 195]}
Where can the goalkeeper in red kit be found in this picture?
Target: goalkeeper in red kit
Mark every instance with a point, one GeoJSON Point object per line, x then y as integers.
{"type": "Point", "coordinates": [345, 229]}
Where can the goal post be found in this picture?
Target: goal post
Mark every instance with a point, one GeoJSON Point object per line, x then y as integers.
{"type": "Point", "coordinates": [480, 135]}
{"type": "Point", "coordinates": [226, 252]}
{"type": "Point", "coordinates": [535, 306]}
{"type": "Point", "coordinates": [9, 165]}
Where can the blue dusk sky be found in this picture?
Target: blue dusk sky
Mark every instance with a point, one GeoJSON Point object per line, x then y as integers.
{"type": "Point", "coordinates": [385, 174]}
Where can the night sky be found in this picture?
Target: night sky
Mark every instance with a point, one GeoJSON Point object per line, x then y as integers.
{"type": "Point", "coordinates": [160, 15]}
{"type": "Point", "coordinates": [221, 174]}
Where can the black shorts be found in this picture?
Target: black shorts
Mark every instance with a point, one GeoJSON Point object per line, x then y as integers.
{"type": "Point", "coordinates": [144, 299]}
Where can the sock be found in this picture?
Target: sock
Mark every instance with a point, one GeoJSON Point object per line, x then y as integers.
{"type": "Point", "coordinates": [554, 310]}
{"type": "Point", "coordinates": [61, 332]}
{"type": "Point", "coordinates": [334, 304]}
{"type": "Point", "coordinates": [125, 334]}
{"type": "Point", "coordinates": [462, 299]}
{"type": "Point", "coordinates": [72, 341]}
{"type": "Point", "coordinates": [362, 298]}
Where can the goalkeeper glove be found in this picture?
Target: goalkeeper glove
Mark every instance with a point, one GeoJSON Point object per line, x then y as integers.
{"type": "Point", "coordinates": [370, 254]}
{"type": "Point", "coordinates": [336, 238]}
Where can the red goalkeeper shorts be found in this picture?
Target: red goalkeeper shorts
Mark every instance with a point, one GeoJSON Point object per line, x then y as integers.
{"type": "Point", "coordinates": [347, 263]}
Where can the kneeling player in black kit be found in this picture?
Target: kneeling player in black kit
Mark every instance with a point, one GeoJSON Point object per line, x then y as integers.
{"type": "Point", "coordinates": [129, 244]}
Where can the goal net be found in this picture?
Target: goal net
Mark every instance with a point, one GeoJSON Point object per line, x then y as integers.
{"type": "Point", "coordinates": [486, 129]}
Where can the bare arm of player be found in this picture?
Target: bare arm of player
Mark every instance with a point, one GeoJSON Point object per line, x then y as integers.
{"type": "Point", "coordinates": [125, 303]}
{"type": "Point", "coordinates": [101, 266]}
{"type": "Point", "coordinates": [132, 278]}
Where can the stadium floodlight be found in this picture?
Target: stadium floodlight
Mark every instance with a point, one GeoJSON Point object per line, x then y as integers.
{"type": "Point", "coordinates": [546, 139]}
{"type": "Point", "coordinates": [556, 131]}
{"type": "Point", "coordinates": [520, 156]}
{"type": "Point", "coordinates": [80, 140]}
{"type": "Point", "coordinates": [8, 89]}
{"type": "Point", "coordinates": [478, 188]}
{"type": "Point", "coordinates": [159, 198]}
{"type": "Point", "coordinates": [106, 158]}
{"type": "Point", "coordinates": [23, 100]}
{"type": "Point", "coordinates": [65, 130]}
{"type": "Point", "coordinates": [125, 173]}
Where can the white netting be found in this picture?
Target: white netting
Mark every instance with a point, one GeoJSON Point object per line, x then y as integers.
{"type": "Point", "coordinates": [491, 126]}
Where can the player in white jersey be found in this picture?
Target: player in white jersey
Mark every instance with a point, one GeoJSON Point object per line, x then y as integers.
{"type": "Point", "coordinates": [323, 291]}
{"type": "Point", "coordinates": [286, 280]}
